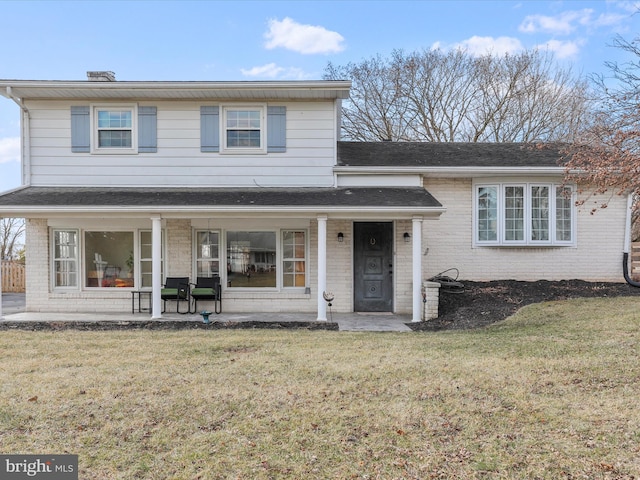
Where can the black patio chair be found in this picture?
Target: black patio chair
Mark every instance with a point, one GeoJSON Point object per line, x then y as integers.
{"type": "Point", "coordinates": [177, 289]}
{"type": "Point", "coordinates": [207, 288]}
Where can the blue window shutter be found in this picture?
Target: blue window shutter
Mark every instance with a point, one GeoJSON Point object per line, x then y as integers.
{"type": "Point", "coordinates": [210, 129]}
{"type": "Point", "coordinates": [147, 129]}
{"type": "Point", "coordinates": [276, 129]}
{"type": "Point", "coordinates": [80, 129]}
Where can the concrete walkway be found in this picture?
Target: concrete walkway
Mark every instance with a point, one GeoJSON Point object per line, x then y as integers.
{"type": "Point", "coordinates": [13, 311]}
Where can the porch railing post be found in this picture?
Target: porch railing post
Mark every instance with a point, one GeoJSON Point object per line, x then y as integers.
{"type": "Point", "coordinates": [417, 269]}
{"type": "Point", "coordinates": [322, 266]}
{"type": "Point", "coordinates": [156, 267]}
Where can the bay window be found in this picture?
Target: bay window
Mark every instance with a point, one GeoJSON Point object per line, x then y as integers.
{"type": "Point", "coordinates": [108, 259]}
{"type": "Point", "coordinates": [524, 214]}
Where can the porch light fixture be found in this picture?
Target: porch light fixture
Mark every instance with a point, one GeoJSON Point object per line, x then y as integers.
{"type": "Point", "coordinates": [407, 237]}
{"type": "Point", "coordinates": [340, 237]}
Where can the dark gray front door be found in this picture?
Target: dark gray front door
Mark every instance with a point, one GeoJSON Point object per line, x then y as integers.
{"type": "Point", "coordinates": [373, 266]}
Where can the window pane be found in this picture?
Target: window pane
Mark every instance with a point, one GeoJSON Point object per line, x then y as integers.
{"type": "Point", "coordinates": [487, 213]}
{"type": "Point", "coordinates": [293, 255]}
{"type": "Point", "coordinates": [251, 259]}
{"type": "Point", "coordinates": [243, 128]}
{"type": "Point", "coordinates": [107, 255]}
{"type": "Point", "coordinates": [65, 252]}
{"type": "Point", "coordinates": [208, 260]}
{"type": "Point", "coordinates": [539, 213]}
{"type": "Point", "coordinates": [146, 259]}
{"type": "Point", "coordinates": [114, 138]}
{"type": "Point", "coordinates": [563, 214]}
{"type": "Point", "coordinates": [514, 213]}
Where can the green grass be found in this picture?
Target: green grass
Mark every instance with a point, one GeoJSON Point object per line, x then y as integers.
{"type": "Point", "coordinates": [549, 393]}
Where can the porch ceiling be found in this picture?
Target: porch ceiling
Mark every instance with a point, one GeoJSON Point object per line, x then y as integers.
{"type": "Point", "coordinates": [30, 201]}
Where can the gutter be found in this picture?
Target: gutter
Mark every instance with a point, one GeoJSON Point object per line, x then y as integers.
{"type": "Point", "coordinates": [25, 137]}
{"type": "Point", "coordinates": [627, 243]}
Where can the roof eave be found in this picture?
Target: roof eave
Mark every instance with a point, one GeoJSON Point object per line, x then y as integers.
{"type": "Point", "coordinates": [464, 171]}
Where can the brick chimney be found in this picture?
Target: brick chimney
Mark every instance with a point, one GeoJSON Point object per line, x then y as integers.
{"type": "Point", "coordinates": [101, 76]}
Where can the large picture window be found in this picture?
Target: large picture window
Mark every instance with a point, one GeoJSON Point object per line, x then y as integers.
{"type": "Point", "coordinates": [108, 258]}
{"type": "Point", "coordinates": [65, 258]}
{"type": "Point", "coordinates": [251, 259]}
{"type": "Point", "coordinates": [524, 214]}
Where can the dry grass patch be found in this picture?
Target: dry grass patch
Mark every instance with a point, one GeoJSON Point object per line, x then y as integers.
{"type": "Point", "coordinates": [550, 393]}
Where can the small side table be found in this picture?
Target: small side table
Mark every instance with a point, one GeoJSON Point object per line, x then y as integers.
{"type": "Point", "coordinates": [139, 294]}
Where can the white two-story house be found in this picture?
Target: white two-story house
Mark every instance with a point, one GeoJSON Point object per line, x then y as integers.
{"type": "Point", "coordinates": [128, 183]}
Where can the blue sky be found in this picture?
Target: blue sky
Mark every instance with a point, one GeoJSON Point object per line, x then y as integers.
{"type": "Point", "coordinates": [280, 40]}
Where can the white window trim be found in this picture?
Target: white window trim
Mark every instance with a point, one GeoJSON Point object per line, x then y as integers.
{"type": "Point", "coordinates": [224, 149]}
{"type": "Point", "coordinates": [79, 272]}
{"type": "Point", "coordinates": [279, 260]}
{"type": "Point", "coordinates": [196, 255]}
{"type": "Point", "coordinates": [95, 149]}
{"type": "Point", "coordinates": [527, 242]}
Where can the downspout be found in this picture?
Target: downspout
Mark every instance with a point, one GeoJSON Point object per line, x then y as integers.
{"type": "Point", "coordinates": [627, 243]}
{"type": "Point", "coordinates": [25, 138]}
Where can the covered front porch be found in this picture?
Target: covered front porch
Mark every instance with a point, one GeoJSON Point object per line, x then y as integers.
{"type": "Point", "coordinates": [303, 242]}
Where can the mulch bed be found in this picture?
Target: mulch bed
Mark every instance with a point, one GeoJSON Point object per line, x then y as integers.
{"type": "Point", "coordinates": [161, 325]}
{"type": "Point", "coordinates": [484, 303]}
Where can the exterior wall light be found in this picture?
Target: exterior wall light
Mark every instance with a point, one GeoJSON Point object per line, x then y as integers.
{"type": "Point", "coordinates": [407, 237]}
{"type": "Point", "coordinates": [340, 237]}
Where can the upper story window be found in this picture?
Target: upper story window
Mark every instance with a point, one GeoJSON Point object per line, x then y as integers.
{"type": "Point", "coordinates": [243, 129]}
{"type": "Point", "coordinates": [533, 214]}
{"type": "Point", "coordinates": [114, 128]}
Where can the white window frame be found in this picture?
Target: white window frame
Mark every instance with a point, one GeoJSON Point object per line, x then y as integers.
{"type": "Point", "coordinates": [305, 259]}
{"type": "Point", "coordinates": [225, 109]}
{"type": "Point", "coordinates": [95, 148]}
{"type": "Point", "coordinates": [527, 240]}
{"type": "Point", "coordinates": [138, 259]}
{"type": "Point", "coordinates": [279, 260]}
{"type": "Point", "coordinates": [196, 255]}
{"type": "Point", "coordinates": [75, 259]}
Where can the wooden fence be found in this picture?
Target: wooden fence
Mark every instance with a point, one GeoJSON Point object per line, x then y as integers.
{"type": "Point", "coordinates": [13, 279]}
{"type": "Point", "coordinates": [635, 259]}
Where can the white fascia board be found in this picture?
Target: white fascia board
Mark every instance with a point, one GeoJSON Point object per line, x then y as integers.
{"type": "Point", "coordinates": [54, 89]}
{"type": "Point", "coordinates": [204, 211]}
{"type": "Point", "coordinates": [452, 171]}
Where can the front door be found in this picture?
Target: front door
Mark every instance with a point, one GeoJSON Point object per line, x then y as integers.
{"type": "Point", "coordinates": [373, 266]}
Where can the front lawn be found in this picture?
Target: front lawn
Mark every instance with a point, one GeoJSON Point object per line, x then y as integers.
{"type": "Point", "coordinates": [549, 393]}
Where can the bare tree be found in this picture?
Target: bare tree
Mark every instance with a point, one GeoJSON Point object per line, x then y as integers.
{"type": "Point", "coordinates": [11, 232]}
{"type": "Point", "coordinates": [444, 97]}
{"type": "Point", "coordinates": [607, 152]}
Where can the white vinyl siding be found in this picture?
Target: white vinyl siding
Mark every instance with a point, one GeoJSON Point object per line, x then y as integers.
{"type": "Point", "coordinates": [308, 160]}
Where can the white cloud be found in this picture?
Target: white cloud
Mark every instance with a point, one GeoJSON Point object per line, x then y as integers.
{"type": "Point", "coordinates": [561, 24]}
{"type": "Point", "coordinates": [306, 39]}
{"type": "Point", "coordinates": [478, 46]}
{"type": "Point", "coordinates": [9, 149]}
{"type": "Point", "coordinates": [562, 50]}
{"type": "Point", "coordinates": [270, 70]}
{"type": "Point", "coordinates": [273, 71]}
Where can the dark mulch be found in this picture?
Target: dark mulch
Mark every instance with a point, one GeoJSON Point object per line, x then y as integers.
{"type": "Point", "coordinates": [162, 325]}
{"type": "Point", "coordinates": [484, 303]}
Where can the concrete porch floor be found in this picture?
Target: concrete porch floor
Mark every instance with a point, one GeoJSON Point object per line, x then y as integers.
{"type": "Point", "coordinates": [13, 311]}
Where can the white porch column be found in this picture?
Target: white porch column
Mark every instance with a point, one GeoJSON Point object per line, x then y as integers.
{"type": "Point", "coordinates": [322, 266]}
{"type": "Point", "coordinates": [417, 269]}
{"type": "Point", "coordinates": [156, 267]}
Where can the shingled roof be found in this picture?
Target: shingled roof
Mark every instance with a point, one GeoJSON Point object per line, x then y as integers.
{"type": "Point", "coordinates": [446, 154]}
{"type": "Point", "coordinates": [227, 199]}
